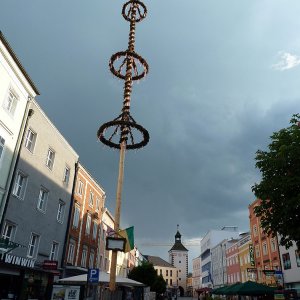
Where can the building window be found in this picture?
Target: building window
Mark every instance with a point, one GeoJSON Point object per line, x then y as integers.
{"type": "Point", "coordinates": [105, 264]}
{"type": "Point", "coordinates": [71, 252]}
{"type": "Point", "coordinates": [286, 261]}
{"type": "Point", "coordinates": [10, 102]}
{"type": "Point", "coordinates": [91, 260]}
{"type": "Point", "coordinates": [100, 262]}
{"type": "Point", "coordinates": [43, 197]}
{"type": "Point", "coordinates": [50, 159]}
{"type": "Point", "coordinates": [54, 251]}
{"type": "Point", "coordinates": [160, 271]}
{"type": "Point", "coordinates": [95, 227]}
{"type": "Point", "coordinates": [170, 272]}
{"type": "Point", "coordinates": [30, 140]}
{"type": "Point", "coordinates": [61, 211]}
{"type": "Point", "coordinates": [265, 249]}
{"type": "Point", "coordinates": [257, 252]}
{"type": "Point", "coordinates": [254, 230]}
{"type": "Point", "coordinates": [97, 204]}
{"type": "Point", "coordinates": [166, 281]}
{"type": "Point", "coordinates": [66, 175]}
{"type": "Point", "coordinates": [273, 245]}
{"type": "Point", "coordinates": [88, 224]}
{"type": "Point", "coordinates": [297, 254]}
{"type": "Point", "coordinates": [76, 216]}
{"type": "Point", "coordinates": [33, 245]}
{"type": "Point", "coordinates": [100, 231]}
{"type": "Point", "coordinates": [2, 143]}
{"type": "Point", "coordinates": [167, 273]}
{"type": "Point", "coordinates": [91, 200]}
{"type": "Point", "coordinates": [20, 185]}
{"type": "Point", "coordinates": [80, 188]}
{"type": "Point", "coordinates": [170, 281]}
{"type": "Point", "coordinates": [83, 257]}
{"type": "Point", "coordinates": [9, 231]}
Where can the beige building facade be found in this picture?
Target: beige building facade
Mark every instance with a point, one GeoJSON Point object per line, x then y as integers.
{"type": "Point", "coordinates": [165, 269]}
{"type": "Point", "coordinates": [246, 258]}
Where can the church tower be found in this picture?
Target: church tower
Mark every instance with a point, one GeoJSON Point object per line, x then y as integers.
{"type": "Point", "coordinates": [178, 257]}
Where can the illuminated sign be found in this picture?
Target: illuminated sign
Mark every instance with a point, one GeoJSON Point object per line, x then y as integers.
{"type": "Point", "coordinates": [251, 254]}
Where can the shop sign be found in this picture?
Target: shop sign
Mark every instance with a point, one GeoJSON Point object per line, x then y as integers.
{"type": "Point", "coordinates": [50, 264]}
{"type": "Point", "coordinates": [278, 277]}
{"type": "Point", "coordinates": [17, 260]}
{"type": "Point", "coordinates": [269, 272]}
{"type": "Point", "coordinates": [62, 292]}
{"type": "Point", "coordinates": [279, 295]}
{"type": "Point", "coordinates": [251, 270]}
{"type": "Point", "coordinates": [251, 254]}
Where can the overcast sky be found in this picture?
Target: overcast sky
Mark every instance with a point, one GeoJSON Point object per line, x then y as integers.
{"type": "Point", "coordinates": [223, 76]}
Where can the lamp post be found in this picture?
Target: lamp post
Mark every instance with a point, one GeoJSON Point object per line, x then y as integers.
{"type": "Point", "coordinates": [121, 133]}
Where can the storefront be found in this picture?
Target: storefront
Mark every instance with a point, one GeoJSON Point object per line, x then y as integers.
{"type": "Point", "coordinates": [23, 278]}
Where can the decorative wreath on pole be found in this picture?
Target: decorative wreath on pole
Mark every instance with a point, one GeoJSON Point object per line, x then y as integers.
{"type": "Point", "coordinates": [110, 134]}
{"type": "Point", "coordinates": [131, 67]}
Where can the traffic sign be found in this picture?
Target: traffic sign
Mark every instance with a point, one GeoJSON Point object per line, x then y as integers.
{"type": "Point", "coordinates": [93, 276]}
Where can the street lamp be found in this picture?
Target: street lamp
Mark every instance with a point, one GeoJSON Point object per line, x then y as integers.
{"type": "Point", "coordinates": [123, 132]}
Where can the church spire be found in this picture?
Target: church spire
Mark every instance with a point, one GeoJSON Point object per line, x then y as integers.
{"type": "Point", "coordinates": [177, 235]}
{"type": "Point", "coordinates": [178, 245]}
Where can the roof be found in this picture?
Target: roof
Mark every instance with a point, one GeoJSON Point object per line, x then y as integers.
{"type": "Point", "coordinates": [157, 261]}
{"type": "Point", "coordinates": [178, 247]}
{"type": "Point", "coordinates": [17, 61]}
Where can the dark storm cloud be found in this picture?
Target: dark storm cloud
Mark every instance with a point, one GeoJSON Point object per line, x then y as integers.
{"type": "Point", "coordinates": [210, 101]}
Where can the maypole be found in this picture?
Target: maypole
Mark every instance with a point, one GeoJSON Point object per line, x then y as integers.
{"type": "Point", "coordinates": [123, 132]}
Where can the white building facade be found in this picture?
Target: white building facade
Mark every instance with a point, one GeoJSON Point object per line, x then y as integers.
{"type": "Point", "coordinates": [290, 262]}
{"type": "Point", "coordinates": [16, 90]}
{"type": "Point", "coordinates": [219, 264]}
{"type": "Point", "coordinates": [210, 240]}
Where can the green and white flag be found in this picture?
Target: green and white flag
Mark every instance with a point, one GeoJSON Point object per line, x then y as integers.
{"type": "Point", "coordinates": [128, 234]}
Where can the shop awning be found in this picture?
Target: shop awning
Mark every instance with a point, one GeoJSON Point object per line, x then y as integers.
{"type": "Point", "coordinates": [103, 278]}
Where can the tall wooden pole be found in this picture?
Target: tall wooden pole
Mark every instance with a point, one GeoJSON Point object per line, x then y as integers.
{"type": "Point", "coordinates": [133, 67]}
{"type": "Point", "coordinates": [113, 268]}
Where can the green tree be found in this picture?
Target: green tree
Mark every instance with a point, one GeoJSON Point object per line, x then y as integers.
{"type": "Point", "coordinates": [146, 274]}
{"type": "Point", "coordinates": [159, 285]}
{"type": "Point", "coordinates": [279, 188]}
